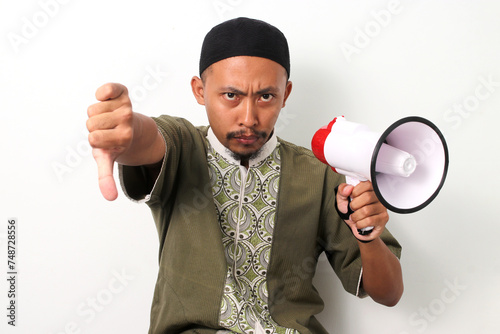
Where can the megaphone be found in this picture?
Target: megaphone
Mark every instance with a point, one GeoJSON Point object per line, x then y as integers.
{"type": "Point", "coordinates": [407, 163]}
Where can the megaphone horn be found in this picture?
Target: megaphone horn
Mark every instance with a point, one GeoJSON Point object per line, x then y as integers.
{"type": "Point", "coordinates": [407, 164]}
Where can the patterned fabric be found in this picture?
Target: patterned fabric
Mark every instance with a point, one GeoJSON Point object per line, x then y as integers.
{"type": "Point", "coordinates": [246, 215]}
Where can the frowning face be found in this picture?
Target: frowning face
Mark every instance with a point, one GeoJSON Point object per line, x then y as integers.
{"type": "Point", "coordinates": [243, 97]}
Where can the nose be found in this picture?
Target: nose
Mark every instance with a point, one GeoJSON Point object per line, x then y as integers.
{"type": "Point", "coordinates": [248, 114]}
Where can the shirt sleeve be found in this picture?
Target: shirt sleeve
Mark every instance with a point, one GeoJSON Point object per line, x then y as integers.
{"type": "Point", "coordinates": [341, 247]}
{"type": "Point", "coordinates": [180, 137]}
{"type": "Point", "coordinates": [136, 181]}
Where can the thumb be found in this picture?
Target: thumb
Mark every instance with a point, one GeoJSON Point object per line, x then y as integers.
{"type": "Point", "coordinates": [105, 162]}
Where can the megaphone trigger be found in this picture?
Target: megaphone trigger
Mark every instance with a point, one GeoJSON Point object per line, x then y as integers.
{"type": "Point", "coordinates": [347, 215]}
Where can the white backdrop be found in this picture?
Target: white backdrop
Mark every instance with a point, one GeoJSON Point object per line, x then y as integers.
{"type": "Point", "coordinates": [86, 265]}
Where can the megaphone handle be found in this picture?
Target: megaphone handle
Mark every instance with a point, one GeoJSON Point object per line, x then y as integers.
{"type": "Point", "coordinates": [354, 182]}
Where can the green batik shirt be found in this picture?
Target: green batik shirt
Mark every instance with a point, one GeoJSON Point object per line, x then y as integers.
{"type": "Point", "coordinates": [246, 201]}
{"type": "Point", "coordinates": [193, 272]}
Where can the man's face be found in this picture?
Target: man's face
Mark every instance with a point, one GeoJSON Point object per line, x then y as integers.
{"type": "Point", "coordinates": [243, 97]}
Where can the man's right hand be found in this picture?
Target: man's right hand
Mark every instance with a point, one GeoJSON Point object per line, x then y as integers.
{"type": "Point", "coordinates": [111, 132]}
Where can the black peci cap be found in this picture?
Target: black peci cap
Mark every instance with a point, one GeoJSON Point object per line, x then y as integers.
{"type": "Point", "coordinates": [244, 37]}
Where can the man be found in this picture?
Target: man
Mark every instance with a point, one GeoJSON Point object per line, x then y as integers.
{"type": "Point", "coordinates": [242, 216]}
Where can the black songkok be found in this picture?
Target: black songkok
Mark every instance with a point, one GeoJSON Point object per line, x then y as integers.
{"type": "Point", "coordinates": [244, 37]}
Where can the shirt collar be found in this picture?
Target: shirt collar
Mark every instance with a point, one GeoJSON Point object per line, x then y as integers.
{"type": "Point", "coordinates": [264, 152]}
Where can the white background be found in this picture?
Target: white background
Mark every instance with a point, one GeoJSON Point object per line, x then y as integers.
{"type": "Point", "coordinates": [373, 61]}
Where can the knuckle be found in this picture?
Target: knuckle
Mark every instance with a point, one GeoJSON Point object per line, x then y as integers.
{"type": "Point", "coordinates": [126, 136]}
{"type": "Point", "coordinates": [93, 140]}
{"type": "Point", "coordinates": [364, 211]}
{"type": "Point", "coordinates": [90, 124]}
{"type": "Point", "coordinates": [370, 221]}
{"type": "Point", "coordinates": [91, 110]}
{"type": "Point", "coordinates": [127, 116]}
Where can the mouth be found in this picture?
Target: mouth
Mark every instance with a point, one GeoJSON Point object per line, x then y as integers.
{"type": "Point", "coordinates": [247, 138]}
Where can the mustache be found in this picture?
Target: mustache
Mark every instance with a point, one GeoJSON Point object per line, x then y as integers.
{"type": "Point", "coordinates": [249, 132]}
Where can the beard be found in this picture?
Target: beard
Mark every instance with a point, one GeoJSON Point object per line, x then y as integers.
{"type": "Point", "coordinates": [244, 156]}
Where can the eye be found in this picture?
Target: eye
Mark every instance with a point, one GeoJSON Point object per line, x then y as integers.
{"type": "Point", "coordinates": [230, 96]}
{"type": "Point", "coordinates": [266, 97]}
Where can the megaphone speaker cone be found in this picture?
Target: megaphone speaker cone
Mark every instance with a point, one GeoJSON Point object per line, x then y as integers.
{"type": "Point", "coordinates": [426, 144]}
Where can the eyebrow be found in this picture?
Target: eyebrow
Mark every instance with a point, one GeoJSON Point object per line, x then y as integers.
{"type": "Point", "coordinates": [235, 90]}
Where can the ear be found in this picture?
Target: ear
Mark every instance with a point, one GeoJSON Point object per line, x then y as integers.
{"type": "Point", "coordinates": [198, 90]}
{"type": "Point", "coordinates": [288, 90]}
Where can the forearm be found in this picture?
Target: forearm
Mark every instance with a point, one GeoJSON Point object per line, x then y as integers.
{"type": "Point", "coordinates": [147, 147]}
{"type": "Point", "coordinates": [382, 274]}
